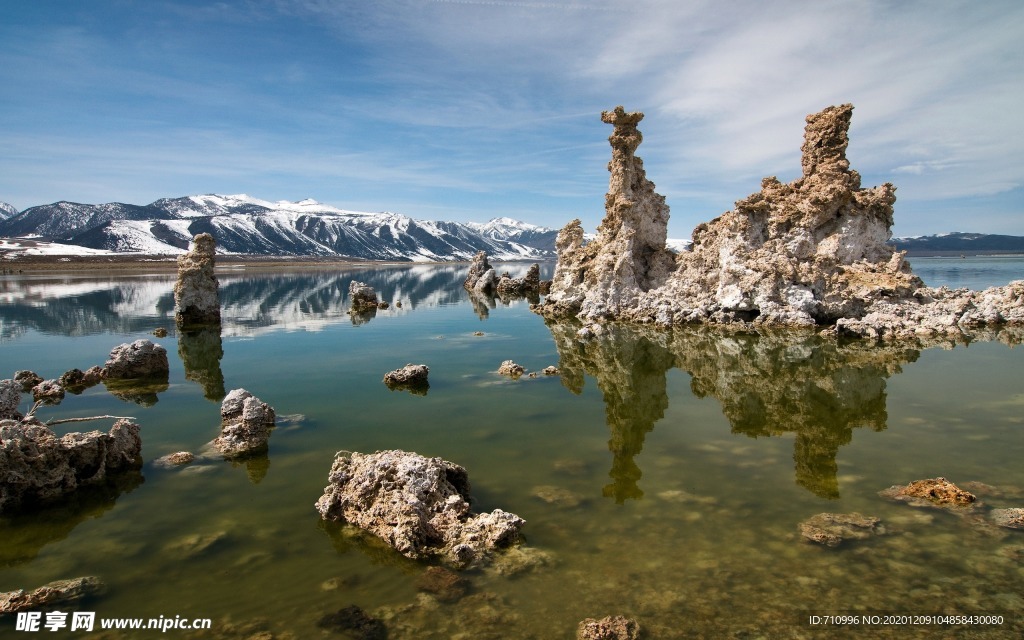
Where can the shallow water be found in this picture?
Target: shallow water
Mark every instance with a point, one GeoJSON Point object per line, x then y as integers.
{"type": "Point", "coordinates": [662, 475]}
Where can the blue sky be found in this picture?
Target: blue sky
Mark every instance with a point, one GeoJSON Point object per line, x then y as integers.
{"type": "Point", "coordinates": [472, 109]}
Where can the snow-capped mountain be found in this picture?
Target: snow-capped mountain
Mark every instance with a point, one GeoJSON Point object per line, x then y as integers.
{"type": "Point", "coordinates": [959, 243]}
{"type": "Point", "coordinates": [7, 210]}
{"type": "Point", "coordinates": [246, 225]}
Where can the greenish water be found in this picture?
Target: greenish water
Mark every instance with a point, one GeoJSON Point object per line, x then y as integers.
{"type": "Point", "coordinates": [662, 475]}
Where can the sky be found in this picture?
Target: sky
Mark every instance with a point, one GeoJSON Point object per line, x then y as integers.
{"type": "Point", "coordinates": [473, 109]}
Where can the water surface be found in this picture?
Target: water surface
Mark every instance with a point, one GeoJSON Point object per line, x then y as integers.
{"type": "Point", "coordinates": [662, 475]}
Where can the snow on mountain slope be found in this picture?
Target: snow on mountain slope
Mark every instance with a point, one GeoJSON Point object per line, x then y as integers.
{"type": "Point", "coordinates": [7, 211]}
{"type": "Point", "coordinates": [246, 225]}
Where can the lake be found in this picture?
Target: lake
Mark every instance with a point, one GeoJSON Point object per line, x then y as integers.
{"type": "Point", "coordinates": [662, 475]}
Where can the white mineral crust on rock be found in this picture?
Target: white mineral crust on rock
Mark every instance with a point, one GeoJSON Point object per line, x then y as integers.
{"type": "Point", "coordinates": [196, 300]}
{"type": "Point", "coordinates": [812, 252]}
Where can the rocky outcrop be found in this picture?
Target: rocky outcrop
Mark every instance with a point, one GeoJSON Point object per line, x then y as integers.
{"type": "Point", "coordinates": [27, 379]}
{"type": "Point", "coordinates": [1009, 518]}
{"type": "Point", "coordinates": [529, 284]}
{"type": "Point", "coordinates": [808, 253]}
{"type": "Point", "coordinates": [37, 466]}
{"type": "Point", "coordinates": [246, 422]}
{"type": "Point", "coordinates": [608, 628]}
{"type": "Point", "coordinates": [52, 594]}
{"type": "Point", "coordinates": [139, 359]}
{"type": "Point", "coordinates": [361, 296]}
{"type": "Point", "coordinates": [76, 380]}
{"type": "Point", "coordinates": [196, 301]}
{"type": "Point", "coordinates": [418, 505]}
{"type": "Point", "coordinates": [511, 369]}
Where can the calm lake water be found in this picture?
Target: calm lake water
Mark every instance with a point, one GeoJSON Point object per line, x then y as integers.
{"type": "Point", "coordinates": [662, 475]}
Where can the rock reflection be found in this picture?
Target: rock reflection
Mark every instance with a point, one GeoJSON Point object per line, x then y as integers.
{"type": "Point", "coordinates": [25, 534]}
{"type": "Point", "coordinates": [820, 390]}
{"type": "Point", "coordinates": [201, 351]}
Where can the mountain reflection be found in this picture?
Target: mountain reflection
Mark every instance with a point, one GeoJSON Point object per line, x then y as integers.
{"type": "Point", "coordinates": [252, 302]}
{"type": "Point", "coordinates": [769, 385]}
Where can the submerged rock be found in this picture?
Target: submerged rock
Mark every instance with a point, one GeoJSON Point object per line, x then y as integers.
{"type": "Point", "coordinates": [608, 628]}
{"type": "Point", "coordinates": [353, 622]}
{"type": "Point", "coordinates": [48, 595]}
{"type": "Point", "coordinates": [196, 299]}
{"type": "Point", "coordinates": [444, 584]}
{"type": "Point", "coordinates": [37, 466]}
{"type": "Point", "coordinates": [246, 422]}
{"type": "Point", "coordinates": [418, 505]}
{"type": "Point", "coordinates": [139, 359]}
{"type": "Point", "coordinates": [808, 253]}
{"type": "Point", "coordinates": [833, 529]}
{"type": "Point", "coordinates": [1009, 518]}
{"type": "Point", "coordinates": [174, 459]}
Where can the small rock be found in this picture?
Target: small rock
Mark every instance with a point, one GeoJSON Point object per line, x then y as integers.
{"type": "Point", "coordinates": [48, 392]}
{"type": "Point", "coordinates": [511, 369]}
{"type": "Point", "coordinates": [1009, 518]}
{"type": "Point", "coordinates": [609, 628]}
{"type": "Point", "coordinates": [411, 375]}
{"type": "Point", "coordinates": [551, 371]}
{"type": "Point", "coordinates": [246, 422]}
{"type": "Point", "coordinates": [160, 332]}
{"type": "Point", "coordinates": [832, 529]}
{"type": "Point", "coordinates": [27, 379]}
{"type": "Point", "coordinates": [174, 459]}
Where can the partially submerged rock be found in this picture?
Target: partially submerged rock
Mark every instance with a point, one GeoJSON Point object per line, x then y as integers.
{"type": "Point", "coordinates": [833, 529]}
{"type": "Point", "coordinates": [48, 392]}
{"type": "Point", "coordinates": [246, 422]}
{"type": "Point", "coordinates": [196, 299]}
{"type": "Point", "coordinates": [48, 595]}
{"type": "Point", "coordinates": [809, 253]}
{"type": "Point", "coordinates": [527, 285]}
{"type": "Point", "coordinates": [411, 376]}
{"type": "Point", "coordinates": [362, 296]}
{"type": "Point", "coordinates": [76, 380]}
{"type": "Point", "coordinates": [1009, 518]}
{"type": "Point", "coordinates": [418, 505]}
{"type": "Point", "coordinates": [27, 379]}
{"type": "Point", "coordinates": [139, 359]}
{"type": "Point", "coordinates": [175, 459]}
{"type": "Point", "coordinates": [932, 492]}
{"type": "Point", "coordinates": [608, 628]}
{"type": "Point", "coordinates": [477, 269]}
{"type": "Point", "coordinates": [511, 369]}
{"type": "Point", "coordinates": [37, 466]}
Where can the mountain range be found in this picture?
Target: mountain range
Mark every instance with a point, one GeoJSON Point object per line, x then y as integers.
{"type": "Point", "coordinates": [959, 243]}
{"type": "Point", "coordinates": [245, 225]}
{"type": "Point", "coordinates": [250, 226]}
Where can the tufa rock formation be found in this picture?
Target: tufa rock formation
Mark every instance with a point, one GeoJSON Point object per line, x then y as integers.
{"type": "Point", "coordinates": [418, 505]}
{"type": "Point", "coordinates": [413, 377]}
{"type": "Point", "coordinates": [246, 422]}
{"type": "Point", "coordinates": [37, 466]}
{"type": "Point", "coordinates": [362, 296]}
{"type": "Point", "coordinates": [478, 279]}
{"type": "Point", "coordinates": [608, 628]}
{"type": "Point", "coordinates": [195, 293]}
{"type": "Point", "coordinates": [60, 592]}
{"type": "Point", "coordinates": [139, 359]}
{"type": "Point", "coordinates": [833, 529]}
{"type": "Point", "coordinates": [808, 253]}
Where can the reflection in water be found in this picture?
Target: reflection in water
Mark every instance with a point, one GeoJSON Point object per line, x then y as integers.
{"type": "Point", "coordinates": [141, 391]}
{"type": "Point", "coordinates": [25, 535]}
{"type": "Point", "coordinates": [201, 351]}
{"type": "Point", "coordinates": [768, 385]}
